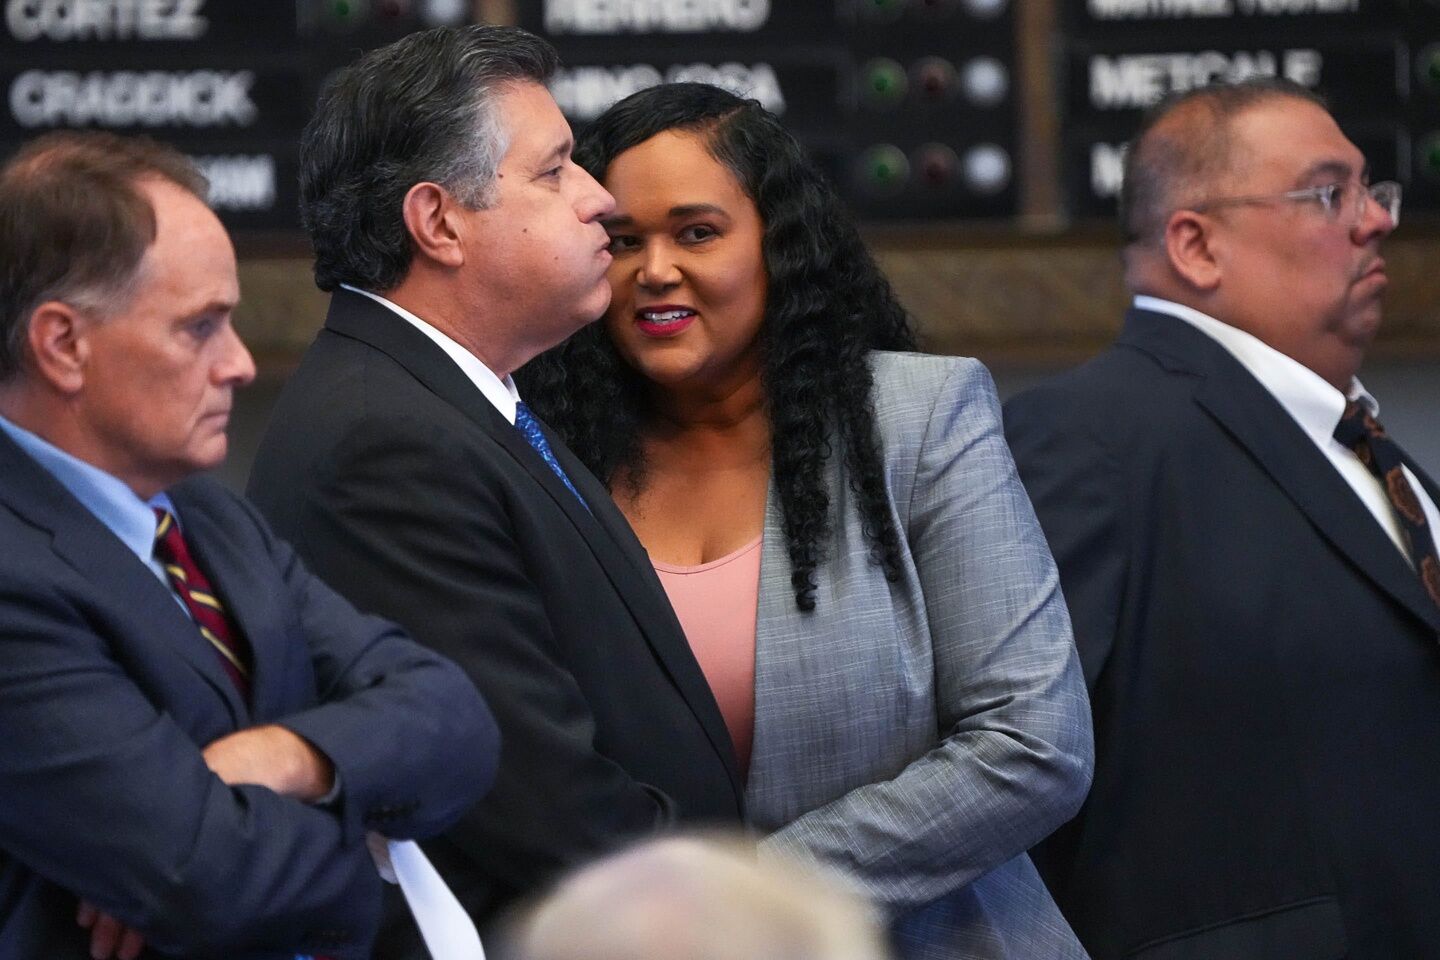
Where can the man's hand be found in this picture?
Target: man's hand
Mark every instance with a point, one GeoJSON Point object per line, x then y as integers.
{"type": "Point", "coordinates": [271, 756]}
{"type": "Point", "coordinates": [268, 756]}
{"type": "Point", "coordinates": [108, 936]}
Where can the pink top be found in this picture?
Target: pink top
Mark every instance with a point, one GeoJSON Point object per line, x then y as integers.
{"type": "Point", "coordinates": [716, 604]}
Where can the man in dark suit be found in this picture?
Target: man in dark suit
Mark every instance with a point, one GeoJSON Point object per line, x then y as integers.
{"type": "Point", "coordinates": [1249, 561]}
{"type": "Point", "coordinates": [197, 733]}
{"type": "Point", "coordinates": [460, 240]}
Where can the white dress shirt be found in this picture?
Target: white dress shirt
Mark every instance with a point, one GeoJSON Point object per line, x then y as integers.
{"type": "Point", "coordinates": [1315, 405]}
{"type": "Point", "coordinates": [501, 393]}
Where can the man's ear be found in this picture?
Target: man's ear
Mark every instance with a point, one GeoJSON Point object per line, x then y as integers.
{"type": "Point", "coordinates": [430, 218]}
{"type": "Point", "coordinates": [1191, 247]}
{"type": "Point", "coordinates": [59, 348]}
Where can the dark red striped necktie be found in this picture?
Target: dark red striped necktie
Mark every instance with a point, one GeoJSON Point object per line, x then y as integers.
{"type": "Point", "coordinates": [204, 605]}
{"type": "Point", "coordinates": [201, 600]}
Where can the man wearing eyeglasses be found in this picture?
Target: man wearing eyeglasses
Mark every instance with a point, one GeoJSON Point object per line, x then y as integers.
{"type": "Point", "coordinates": [1250, 561]}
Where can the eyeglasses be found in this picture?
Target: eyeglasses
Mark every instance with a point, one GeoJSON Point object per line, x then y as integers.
{"type": "Point", "coordinates": [1346, 197]}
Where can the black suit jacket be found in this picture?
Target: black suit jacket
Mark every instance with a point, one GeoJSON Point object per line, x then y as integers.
{"type": "Point", "coordinates": [402, 485]}
{"type": "Point", "coordinates": [1263, 667]}
{"type": "Point", "coordinates": [108, 694]}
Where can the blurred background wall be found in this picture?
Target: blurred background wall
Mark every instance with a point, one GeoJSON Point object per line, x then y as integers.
{"type": "Point", "coordinates": [979, 141]}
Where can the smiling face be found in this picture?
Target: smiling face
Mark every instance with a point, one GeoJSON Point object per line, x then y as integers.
{"type": "Point", "coordinates": [537, 255]}
{"type": "Point", "coordinates": [1308, 284]}
{"type": "Point", "coordinates": [689, 275]}
{"type": "Point", "coordinates": [159, 375]}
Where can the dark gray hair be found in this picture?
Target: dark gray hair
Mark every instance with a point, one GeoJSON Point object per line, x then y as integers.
{"type": "Point", "coordinates": [421, 109]}
{"type": "Point", "coordinates": [1170, 165]}
{"type": "Point", "coordinates": [74, 225]}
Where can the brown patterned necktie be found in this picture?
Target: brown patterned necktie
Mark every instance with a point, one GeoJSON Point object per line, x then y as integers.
{"type": "Point", "coordinates": [1362, 433]}
{"type": "Point", "coordinates": [204, 604]}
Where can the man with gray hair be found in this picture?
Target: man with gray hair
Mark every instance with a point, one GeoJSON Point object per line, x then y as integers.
{"type": "Point", "coordinates": [1249, 560]}
{"type": "Point", "coordinates": [460, 240]}
{"type": "Point", "coordinates": [196, 734]}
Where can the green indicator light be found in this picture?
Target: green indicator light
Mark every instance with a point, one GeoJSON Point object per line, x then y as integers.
{"type": "Point", "coordinates": [884, 81]}
{"type": "Point", "coordinates": [883, 170]}
{"type": "Point", "coordinates": [1430, 154]}
{"type": "Point", "coordinates": [343, 16]}
{"type": "Point", "coordinates": [1427, 67]}
{"type": "Point", "coordinates": [884, 11]}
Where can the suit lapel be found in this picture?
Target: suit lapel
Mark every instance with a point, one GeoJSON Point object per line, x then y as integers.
{"type": "Point", "coordinates": [628, 568]}
{"type": "Point", "coordinates": [1425, 480]}
{"type": "Point", "coordinates": [87, 546]}
{"type": "Point", "coordinates": [363, 319]}
{"type": "Point", "coordinates": [1258, 422]}
{"type": "Point", "coordinates": [602, 527]}
{"type": "Point", "coordinates": [776, 628]}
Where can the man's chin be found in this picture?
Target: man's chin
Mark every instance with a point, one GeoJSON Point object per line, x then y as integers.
{"type": "Point", "coordinates": [599, 301]}
{"type": "Point", "coordinates": [1365, 323]}
{"type": "Point", "coordinates": [212, 457]}
{"type": "Point", "coordinates": [593, 307]}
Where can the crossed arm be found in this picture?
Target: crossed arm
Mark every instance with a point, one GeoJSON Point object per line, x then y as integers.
{"type": "Point", "coordinates": [208, 845]}
{"type": "Point", "coordinates": [266, 756]}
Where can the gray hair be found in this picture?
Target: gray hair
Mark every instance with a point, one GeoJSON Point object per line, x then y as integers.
{"type": "Point", "coordinates": [701, 899]}
{"type": "Point", "coordinates": [421, 109]}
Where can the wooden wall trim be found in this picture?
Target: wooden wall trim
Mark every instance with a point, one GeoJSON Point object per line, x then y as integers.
{"type": "Point", "coordinates": [1045, 300]}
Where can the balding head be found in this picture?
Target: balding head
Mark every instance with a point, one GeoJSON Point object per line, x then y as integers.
{"type": "Point", "coordinates": [74, 224]}
{"type": "Point", "coordinates": [117, 284]}
{"type": "Point", "coordinates": [1249, 204]}
{"type": "Point", "coordinates": [1183, 152]}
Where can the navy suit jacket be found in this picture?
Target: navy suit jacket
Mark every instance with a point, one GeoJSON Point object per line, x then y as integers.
{"type": "Point", "coordinates": [108, 694]}
{"type": "Point", "coordinates": [1263, 668]}
{"type": "Point", "coordinates": [403, 486]}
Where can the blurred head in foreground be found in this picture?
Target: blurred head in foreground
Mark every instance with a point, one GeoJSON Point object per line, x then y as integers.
{"type": "Point", "coordinates": [699, 900]}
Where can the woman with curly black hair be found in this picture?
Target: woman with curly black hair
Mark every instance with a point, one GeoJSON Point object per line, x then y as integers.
{"type": "Point", "coordinates": [838, 525]}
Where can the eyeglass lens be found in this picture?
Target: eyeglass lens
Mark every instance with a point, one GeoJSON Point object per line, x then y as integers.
{"type": "Point", "coordinates": [1386, 194]}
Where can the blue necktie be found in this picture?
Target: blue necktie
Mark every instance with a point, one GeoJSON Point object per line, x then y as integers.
{"type": "Point", "coordinates": [530, 428]}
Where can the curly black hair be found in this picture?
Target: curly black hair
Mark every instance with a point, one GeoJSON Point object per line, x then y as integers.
{"type": "Point", "coordinates": [828, 305]}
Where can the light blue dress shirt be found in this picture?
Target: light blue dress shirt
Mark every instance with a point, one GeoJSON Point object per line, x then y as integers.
{"type": "Point", "coordinates": [113, 503]}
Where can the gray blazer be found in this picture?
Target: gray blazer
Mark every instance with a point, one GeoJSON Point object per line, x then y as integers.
{"type": "Point", "coordinates": [918, 737]}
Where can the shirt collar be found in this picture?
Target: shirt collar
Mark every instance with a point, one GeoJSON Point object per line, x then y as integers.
{"type": "Point", "coordinates": [501, 393]}
{"type": "Point", "coordinates": [1313, 403]}
{"type": "Point", "coordinates": [106, 496]}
